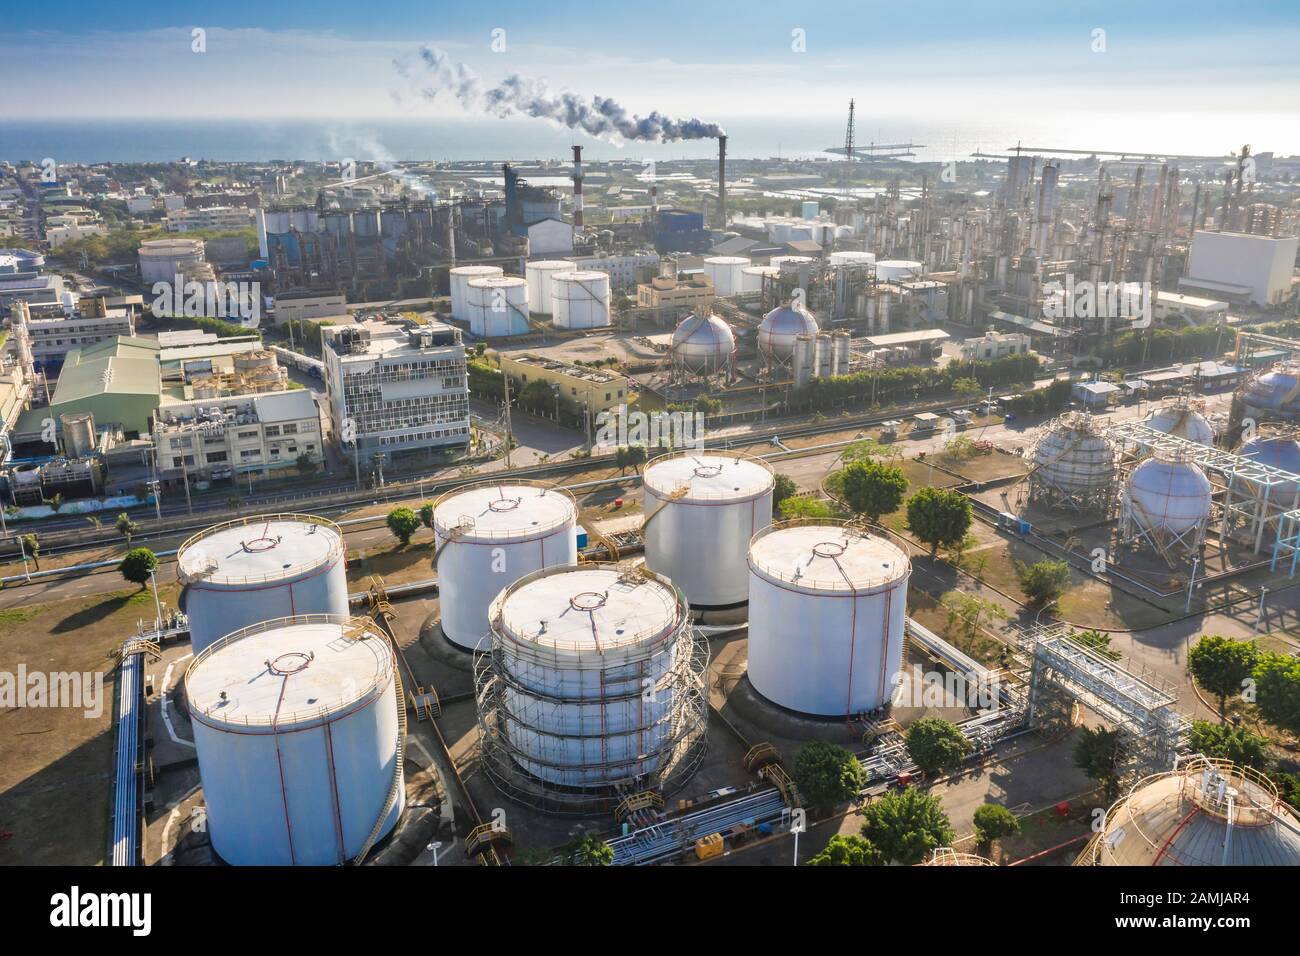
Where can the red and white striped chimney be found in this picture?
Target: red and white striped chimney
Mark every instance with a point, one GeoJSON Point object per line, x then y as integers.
{"type": "Point", "coordinates": [577, 191]}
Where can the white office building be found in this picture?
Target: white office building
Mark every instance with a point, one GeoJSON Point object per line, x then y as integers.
{"type": "Point", "coordinates": [396, 385]}
{"type": "Point", "coordinates": [1240, 267]}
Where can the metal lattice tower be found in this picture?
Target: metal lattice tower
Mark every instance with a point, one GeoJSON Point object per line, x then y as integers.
{"type": "Point", "coordinates": [1063, 672]}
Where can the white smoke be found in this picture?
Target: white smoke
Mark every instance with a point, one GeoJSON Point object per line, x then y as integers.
{"type": "Point", "coordinates": [517, 95]}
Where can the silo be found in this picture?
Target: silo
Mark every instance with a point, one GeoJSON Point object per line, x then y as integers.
{"type": "Point", "coordinates": [779, 329]}
{"type": "Point", "coordinates": [498, 306]}
{"type": "Point", "coordinates": [804, 360]}
{"type": "Point", "coordinates": [1073, 465]}
{"type": "Point", "coordinates": [258, 568]}
{"type": "Point", "coordinates": [1167, 501]}
{"type": "Point", "coordinates": [489, 535]}
{"type": "Point", "coordinates": [1180, 419]}
{"type": "Point", "coordinates": [898, 270]}
{"type": "Point", "coordinates": [701, 510]}
{"type": "Point", "coordinates": [726, 273]}
{"type": "Point", "coordinates": [827, 610]}
{"type": "Point", "coordinates": [539, 274]}
{"type": "Point", "coordinates": [298, 739]}
{"type": "Point", "coordinates": [593, 682]}
{"type": "Point", "coordinates": [1204, 812]}
{"type": "Point", "coordinates": [580, 300]}
{"type": "Point", "coordinates": [459, 279]}
{"type": "Point", "coordinates": [78, 434]}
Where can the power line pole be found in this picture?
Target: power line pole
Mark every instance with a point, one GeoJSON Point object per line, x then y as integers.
{"type": "Point", "coordinates": [509, 433]}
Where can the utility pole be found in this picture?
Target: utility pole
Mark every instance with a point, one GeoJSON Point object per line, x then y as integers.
{"type": "Point", "coordinates": [509, 432]}
{"type": "Point", "coordinates": [157, 605]}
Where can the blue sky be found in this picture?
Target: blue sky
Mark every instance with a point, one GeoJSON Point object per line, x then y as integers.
{"type": "Point", "coordinates": [940, 59]}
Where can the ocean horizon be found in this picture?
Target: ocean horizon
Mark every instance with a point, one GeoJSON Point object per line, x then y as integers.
{"type": "Point", "coordinates": [436, 139]}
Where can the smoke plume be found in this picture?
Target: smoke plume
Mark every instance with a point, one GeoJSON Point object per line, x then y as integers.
{"type": "Point", "coordinates": [517, 95]}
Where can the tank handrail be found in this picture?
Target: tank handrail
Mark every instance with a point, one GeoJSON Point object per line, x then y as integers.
{"type": "Point", "coordinates": [831, 584]}
{"type": "Point", "coordinates": [692, 494]}
{"type": "Point", "coordinates": [348, 625]}
{"type": "Point", "coordinates": [529, 533]}
{"type": "Point", "coordinates": [187, 575]}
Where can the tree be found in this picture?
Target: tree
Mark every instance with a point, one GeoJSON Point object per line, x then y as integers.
{"type": "Point", "coordinates": [938, 517]}
{"type": "Point", "coordinates": [426, 514]}
{"type": "Point", "coordinates": [305, 464]}
{"type": "Point", "coordinates": [588, 850]}
{"type": "Point", "coordinates": [32, 546]}
{"type": "Point", "coordinates": [873, 489]}
{"type": "Point", "coordinates": [848, 851]}
{"type": "Point", "coordinates": [126, 527]}
{"type": "Point", "coordinates": [936, 745]}
{"type": "Point", "coordinates": [869, 448]}
{"type": "Point", "coordinates": [1288, 788]}
{"type": "Point", "coordinates": [827, 774]}
{"type": "Point", "coordinates": [403, 523]}
{"type": "Point", "coordinates": [1222, 665]}
{"type": "Point", "coordinates": [906, 825]}
{"type": "Point", "coordinates": [636, 456]}
{"type": "Point", "coordinates": [1043, 581]}
{"type": "Point", "coordinates": [1229, 743]}
{"type": "Point", "coordinates": [1097, 753]}
{"type": "Point", "coordinates": [1277, 690]}
{"type": "Point", "coordinates": [967, 613]}
{"type": "Point", "coordinates": [138, 564]}
{"type": "Point", "coordinates": [55, 503]}
{"type": "Point", "coordinates": [812, 508]}
{"type": "Point", "coordinates": [783, 487]}
{"type": "Point", "coordinates": [1096, 641]}
{"type": "Point", "coordinates": [94, 522]}
{"type": "Point", "coordinates": [992, 822]}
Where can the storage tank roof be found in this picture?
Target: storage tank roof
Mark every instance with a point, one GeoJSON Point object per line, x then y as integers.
{"type": "Point", "coordinates": [827, 558]}
{"type": "Point", "coordinates": [477, 271]}
{"type": "Point", "coordinates": [499, 511]}
{"type": "Point", "coordinates": [708, 330]}
{"type": "Point", "coordinates": [493, 282]}
{"type": "Point", "coordinates": [579, 276]}
{"type": "Point", "coordinates": [289, 672]}
{"type": "Point", "coordinates": [1281, 452]}
{"type": "Point", "coordinates": [595, 609]}
{"type": "Point", "coordinates": [789, 319]}
{"type": "Point", "coordinates": [260, 549]}
{"type": "Point", "coordinates": [550, 264]}
{"type": "Point", "coordinates": [708, 477]}
{"type": "Point", "coordinates": [727, 261]}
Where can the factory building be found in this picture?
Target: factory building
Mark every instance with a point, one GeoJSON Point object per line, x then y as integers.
{"type": "Point", "coordinates": [994, 345]}
{"type": "Point", "coordinates": [671, 294]}
{"type": "Point", "coordinates": [117, 381]}
{"type": "Point", "coordinates": [1174, 308]}
{"type": "Point", "coordinates": [301, 306]}
{"type": "Point", "coordinates": [396, 385]}
{"type": "Point", "coordinates": [576, 388]}
{"type": "Point", "coordinates": [1241, 268]}
{"type": "Point", "coordinates": [90, 323]}
{"type": "Point", "coordinates": [224, 438]}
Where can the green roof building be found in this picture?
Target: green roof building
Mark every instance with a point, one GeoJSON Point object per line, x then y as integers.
{"type": "Point", "coordinates": [117, 380]}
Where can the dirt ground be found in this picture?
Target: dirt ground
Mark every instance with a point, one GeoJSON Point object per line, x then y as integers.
{"type": "Point", "coordinates": [56, 763]}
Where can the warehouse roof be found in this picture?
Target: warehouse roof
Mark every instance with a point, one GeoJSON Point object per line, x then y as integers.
{"type": "Point", "coordinates": [121, 365]}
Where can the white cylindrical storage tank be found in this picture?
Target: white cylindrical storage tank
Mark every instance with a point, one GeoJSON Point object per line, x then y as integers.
{"type": "Point", "coordinates": [1168, 495]}
{"type": "Point", "coordinates": [539, 274]}
{"type": "Point", "coordinates": [296, 729]}
{"type": "Point", "coordinates": [725, 271]}
{"type": "Point", "coordinates": [702, 509]}
{"type": "Point", "coordinates": [851, 257]}
{"type": "Point", "coordinates": [791, 263]}
{"type": "Point", "coordinates": [595, 675]}
{"type": "Point", "coordinates": [258, 568]}
{"type": "Point", "coordinates": [827, 610]}
{"type": "Point", "coordinates": [162, 259]}
{"type": "Point", "coordinates": [459, 278]}
{"type": "Point", "coordinates": [498, 306]}
{"type": "Point", "coordinates": [580, 300]}
{"type": "Point", "coordinates": [489, 535]}
{"type": "Point", "coordinates": [751, 277]}
{"type": "Point", "coordinates": [779, 329]}
{"type": "Point", "coordinates": [898, 270]}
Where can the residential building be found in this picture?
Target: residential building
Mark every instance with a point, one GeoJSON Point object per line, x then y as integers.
{"type": "Point", "coordinates": [72, 225]}
{"type": "Point", "coordinates": [214, 218]}
{"type": "Point", "coordinates": [396, 385]}
{"type": "Point", "coordinates": [91, 323]}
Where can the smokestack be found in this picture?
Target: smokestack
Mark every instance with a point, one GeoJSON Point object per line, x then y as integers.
{"type": "Point", "coordinates": [654, 200]}
{"type": "Point", "coordinates": [722, 182]}
{"type": "Point", "coordinates": [577, 191]}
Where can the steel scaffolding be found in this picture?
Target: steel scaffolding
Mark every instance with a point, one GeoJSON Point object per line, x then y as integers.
{"type": "Point", "coordinates": [1063, 671]}
{"type": "Point", "coordinates": [1255, 497]}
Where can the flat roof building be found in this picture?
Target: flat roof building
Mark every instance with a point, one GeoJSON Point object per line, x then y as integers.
{"type": "Point", "coordinates": [396, 385]}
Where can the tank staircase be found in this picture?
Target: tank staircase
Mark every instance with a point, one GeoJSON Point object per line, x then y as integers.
{"type": "Point", "coordinates": [764, 760]}
{"type": "Point", "coordinates": [489, 843]}
{"type": "Point", "coordinates": [463, 526]}
{"type": "Point", "coordinates": [381, 612]}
